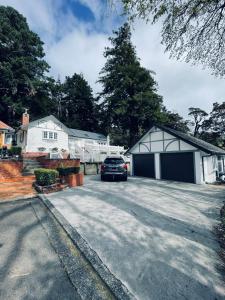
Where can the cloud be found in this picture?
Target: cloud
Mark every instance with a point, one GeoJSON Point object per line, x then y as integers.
{"type": "Point", "coordinates": [80, 52]}
{"type": "Point", "coordinates": [73, 45]}
{"type": "Point", "coordinates": [182, 85]}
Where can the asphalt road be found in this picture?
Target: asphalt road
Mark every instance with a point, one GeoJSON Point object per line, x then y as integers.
{"type": "Point", "coordinates": [155, 236]}
{"type": "Point", "coordinates": [29, 266]}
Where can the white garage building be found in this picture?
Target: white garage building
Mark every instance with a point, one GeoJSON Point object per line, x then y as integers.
{"type": "Point", "coordinates": [164, 153]}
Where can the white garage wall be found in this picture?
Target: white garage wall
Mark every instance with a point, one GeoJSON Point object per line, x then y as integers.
{"type": "Point", "coordinates": [210, 168]}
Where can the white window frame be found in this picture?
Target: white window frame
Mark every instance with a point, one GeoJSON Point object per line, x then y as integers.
{"type": "Point", "coordinates": [49, 135]}
{"type": "Point", "coordinates": [45, 135]}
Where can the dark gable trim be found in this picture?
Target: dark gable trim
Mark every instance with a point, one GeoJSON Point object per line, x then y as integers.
{"type": "Point", "coordinates": [171, 132]}
{"type": "Point", "coordinates": [184, 140]}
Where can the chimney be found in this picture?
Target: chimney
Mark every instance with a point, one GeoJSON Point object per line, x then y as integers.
{"type": "Point", "coordinates": [25, 118]}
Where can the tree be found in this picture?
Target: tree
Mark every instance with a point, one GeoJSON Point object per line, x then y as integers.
{"type": "Point", "coordinates": [214, 126]}
{"type": "Point", "coordinates": [22, 66]}
{"type": "Point", "coordinates": [199, 116]}
{"type": "Point", "coordinates": [174, 121]}
{"type": "Point", "coordinates": [43, 102]}
{"type": "Point", "coordinates": [79, 104]}
{"type": "Point", "coordinates": [191, 29]}
{"type": "Point", "coordinates": [217, 118]}
{"type": "Point", "coordinates": [57, 93]}
{"type": "Point", "coordinates": [130, 103]}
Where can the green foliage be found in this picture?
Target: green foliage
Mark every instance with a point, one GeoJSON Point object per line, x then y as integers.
{"type": "Point", "coordinates": [64, 171]}
{"type": "Point", "coordinates": [174, 121]}
{"type": "Point", "coordinates": [213, 128]}
{"type": "Point", "coordinates": [78, 104]}
{"type": "Point", "coordinates": [130, 103]}
{"type": "Point", "coordinates": [15, 150]}
{"type": "Point", "coordinates": [45, 177]}
{"type": "Point", "coordinates": [21, 64]}
{"type": "Point", "coordinates": [199, 117]}
{"type": "Point", "coordinates": [191, 29]}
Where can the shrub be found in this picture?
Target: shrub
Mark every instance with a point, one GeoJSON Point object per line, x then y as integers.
{"type": "Point", "coordinates": [64, 171]}
{"type": "Point", "coordinates": [15, 150]}
{"type": "Point", "coordinates": [46, 177]}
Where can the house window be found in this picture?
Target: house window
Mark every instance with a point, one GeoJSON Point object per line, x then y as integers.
{"type": "Point", "coordinates": [45, 134]}
{"type": "Point", "coordinates": [8, 138]}
{"type": "Point", "coordinates": [50, 135]}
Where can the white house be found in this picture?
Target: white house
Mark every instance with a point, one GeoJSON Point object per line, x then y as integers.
{"type": "Point", "coordinates": [49, 135]}
{"type": "Point", "coordinates": [164, 153]}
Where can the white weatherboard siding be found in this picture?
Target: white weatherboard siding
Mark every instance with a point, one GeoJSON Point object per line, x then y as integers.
{"type": "Point", "coordinates": [35, 139]}
{"type": "Point", "coordinates": [210, 163]}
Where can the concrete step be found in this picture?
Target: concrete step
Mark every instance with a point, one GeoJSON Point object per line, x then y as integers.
{"type": "Point", "coordinates": [31, 163]}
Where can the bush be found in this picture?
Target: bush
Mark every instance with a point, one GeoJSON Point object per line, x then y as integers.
{"type": "Point", "coordinates": [46, 177]}
{"type": "Point", "coordinates": [15, 150]}
{"type": "Point", "coordinates": [64, 171]}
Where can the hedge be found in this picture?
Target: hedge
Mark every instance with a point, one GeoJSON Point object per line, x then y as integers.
{"type": "Point", "coordinates": [46, 177]}
{"type": "Point", "coordinates": [68, 170]}
{"type": "Point", "coordinates": [15, 150]}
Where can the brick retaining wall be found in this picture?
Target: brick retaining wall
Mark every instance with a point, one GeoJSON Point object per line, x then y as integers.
{"type": "Point", "coordinates": [34, 155]}
{"type": "Point", "coordinates": [9, 169]}
{"type": "Point", "coordinates": [56, 163]}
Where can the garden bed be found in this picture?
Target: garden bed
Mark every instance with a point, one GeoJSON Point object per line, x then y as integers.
{"type": "Point", "coordinates": [51, 180]}
{"type": "Point", "coordinates": [56, 187]}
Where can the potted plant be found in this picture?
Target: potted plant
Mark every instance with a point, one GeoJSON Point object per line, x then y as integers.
{"type": "Point", "coordinates": [80, 179]}
{"type": "Point", "coordinates": [69, 174]}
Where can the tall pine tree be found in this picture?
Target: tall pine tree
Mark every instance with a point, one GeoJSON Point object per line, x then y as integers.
{"type": "Point", "coordinates": [79, 104]}
{"type": "Point", "coordinates": [22, 66]}
{"type": "Point", "coordinates": [130, 103]}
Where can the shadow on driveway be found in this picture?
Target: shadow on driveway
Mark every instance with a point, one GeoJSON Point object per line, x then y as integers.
{"type": "Point", "coordinates": [155, 236]}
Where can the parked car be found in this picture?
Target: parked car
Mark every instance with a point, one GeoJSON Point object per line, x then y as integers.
{"type": "Point", "coordinates": [114, 167]}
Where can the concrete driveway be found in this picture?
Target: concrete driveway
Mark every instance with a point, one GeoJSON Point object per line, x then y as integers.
{"type": "Point", "coordinates": [155, 236]}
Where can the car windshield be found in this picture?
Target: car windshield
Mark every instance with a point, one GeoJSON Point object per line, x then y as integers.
{"type": "Point", "coordinates": [113, 160]}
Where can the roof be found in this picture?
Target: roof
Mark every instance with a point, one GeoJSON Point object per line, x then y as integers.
{"type": "Point", "coordinates": [196, 142]}
{"type": "Point", "coordinates": [40, 119]}
{"type": "Point", "coordinates": [71, 131]}
{"type": "Point", "coordinates": [5, 126]}
{"type": "Point", "coordinates": [86, 134]}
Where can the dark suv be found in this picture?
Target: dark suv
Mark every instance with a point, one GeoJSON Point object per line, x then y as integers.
{"type": "Point", "coordinates": [114, 167]}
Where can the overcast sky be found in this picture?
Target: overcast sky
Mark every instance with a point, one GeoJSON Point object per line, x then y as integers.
{"type": "Point", "coordinates": [75, 33]}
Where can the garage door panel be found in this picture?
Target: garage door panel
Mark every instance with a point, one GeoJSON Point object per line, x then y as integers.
{"type": "Point", "coordinates": [144, 165]}
{"type": "Point", "coordinates": [177, 166]}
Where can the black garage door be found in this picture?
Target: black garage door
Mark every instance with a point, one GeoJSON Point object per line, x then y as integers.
{"type": "Point", "coordinates": [144, 165]}
{"type": "Point", "coordinates": [177, 166]}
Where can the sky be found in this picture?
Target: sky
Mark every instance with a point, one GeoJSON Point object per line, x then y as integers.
{"type": "Point", "coordinates": [75, 33]}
